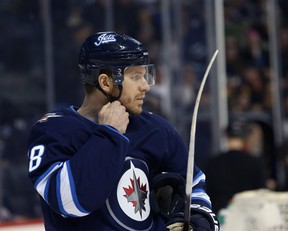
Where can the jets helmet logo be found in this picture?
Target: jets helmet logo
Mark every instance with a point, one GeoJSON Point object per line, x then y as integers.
{"type": "Point", "coordinates": [105, 38]}
{"type": "Point", "coordinates": [133, 192]}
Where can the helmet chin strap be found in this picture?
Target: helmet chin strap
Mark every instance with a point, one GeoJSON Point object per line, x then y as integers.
{"type": "Point", "coordinates": [111, 97]}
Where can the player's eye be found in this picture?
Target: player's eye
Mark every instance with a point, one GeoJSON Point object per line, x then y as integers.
{"type": "Point", "coordinates": [136, 77]}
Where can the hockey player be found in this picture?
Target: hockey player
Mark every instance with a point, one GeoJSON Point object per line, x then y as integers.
{"type": "Point", "coordinates": [108, 165]}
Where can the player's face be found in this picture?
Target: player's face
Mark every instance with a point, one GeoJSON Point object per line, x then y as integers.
{"type": "Point", "coordinates": [135, 87]}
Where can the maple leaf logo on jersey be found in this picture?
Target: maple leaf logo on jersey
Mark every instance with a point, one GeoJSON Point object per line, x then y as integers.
{"type": "Point", "coordinates": [133, 192]}
{"type": "Point", "coordinates": [136, 194]}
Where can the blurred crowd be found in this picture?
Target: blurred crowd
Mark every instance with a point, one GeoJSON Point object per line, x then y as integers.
{"type": "Point", "coordinates": [22, 68]}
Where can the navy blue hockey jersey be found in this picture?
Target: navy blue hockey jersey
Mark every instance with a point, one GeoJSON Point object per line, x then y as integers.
{"type": "Point", "coordinates": [91, 177]}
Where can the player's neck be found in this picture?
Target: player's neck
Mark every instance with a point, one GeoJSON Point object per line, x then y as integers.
{"type": "Point", "coordinates": [235, 144]}
{"type": "Point", "coordinates": [91, 107]}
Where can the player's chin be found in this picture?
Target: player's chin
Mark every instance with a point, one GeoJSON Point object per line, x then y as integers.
{"type": "Point", "coordinates": [136, 110]}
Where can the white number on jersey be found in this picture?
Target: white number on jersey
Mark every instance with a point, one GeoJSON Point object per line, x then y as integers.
{"type": "Point", "coordinates": [35, 157]}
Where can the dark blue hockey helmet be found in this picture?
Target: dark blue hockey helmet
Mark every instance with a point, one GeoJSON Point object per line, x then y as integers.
{"type": "Point", "coordinates": [237, 127]}
{"type": "Point", "coordinates": [113, 52]}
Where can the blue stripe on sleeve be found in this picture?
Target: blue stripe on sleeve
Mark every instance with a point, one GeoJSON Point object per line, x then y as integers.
{"type": "Point", "coordinates": [73, 190]}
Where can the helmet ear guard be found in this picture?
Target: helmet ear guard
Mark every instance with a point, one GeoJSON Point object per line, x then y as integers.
{"type": "Point", "coordinates": [90, 74]}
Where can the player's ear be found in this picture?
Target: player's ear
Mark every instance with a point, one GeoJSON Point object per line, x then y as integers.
{"type": "Point", "coordinates": [105, 82]}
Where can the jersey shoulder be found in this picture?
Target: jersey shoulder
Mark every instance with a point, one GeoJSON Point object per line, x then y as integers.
{"type": "Point", "coordinates": [61, 120]}
{"type": "Point", "coordinates": [155, 120]}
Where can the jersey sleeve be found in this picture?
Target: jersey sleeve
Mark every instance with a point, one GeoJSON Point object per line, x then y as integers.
{"type": "Point", "coordinates": [199, 194]}
{"type": "Point", "coordinates": [74, 170]}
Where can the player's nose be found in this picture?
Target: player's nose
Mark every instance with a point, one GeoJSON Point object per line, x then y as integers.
{"type": "Point", "coordinates": [144, 86]}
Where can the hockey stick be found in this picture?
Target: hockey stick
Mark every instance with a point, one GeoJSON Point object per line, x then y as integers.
{"type": "Point", "coordinates": [190, 164]}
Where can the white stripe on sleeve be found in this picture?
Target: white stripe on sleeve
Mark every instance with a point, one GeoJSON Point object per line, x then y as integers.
{"type": "Point", "coordinates": [42, 182]}
{"type": "Point", "coordinates": [198, 179]}
{"type": "Point", "coordinates": [68, 195]}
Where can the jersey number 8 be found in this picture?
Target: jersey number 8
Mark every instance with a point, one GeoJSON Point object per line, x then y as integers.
{"type": "Point", "coordinates": [35, 157]}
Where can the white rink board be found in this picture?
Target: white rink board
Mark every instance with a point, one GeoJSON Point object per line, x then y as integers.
{"type": "Point", "coordinates": [36, 227]}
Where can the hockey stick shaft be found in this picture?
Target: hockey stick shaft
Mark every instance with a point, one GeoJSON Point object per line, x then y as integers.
{"type": "Point", "coordinates": [191, 154]}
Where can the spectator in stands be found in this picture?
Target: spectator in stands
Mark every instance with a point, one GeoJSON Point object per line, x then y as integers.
{"type": "Point", "coordinates": [234, 63]}
{"type": "Point", "coordinates": [255, 50]}
{"type": "Point", "coordinates": [234, 170]}
{"type": "Point", "coordinates": [253, 82]}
